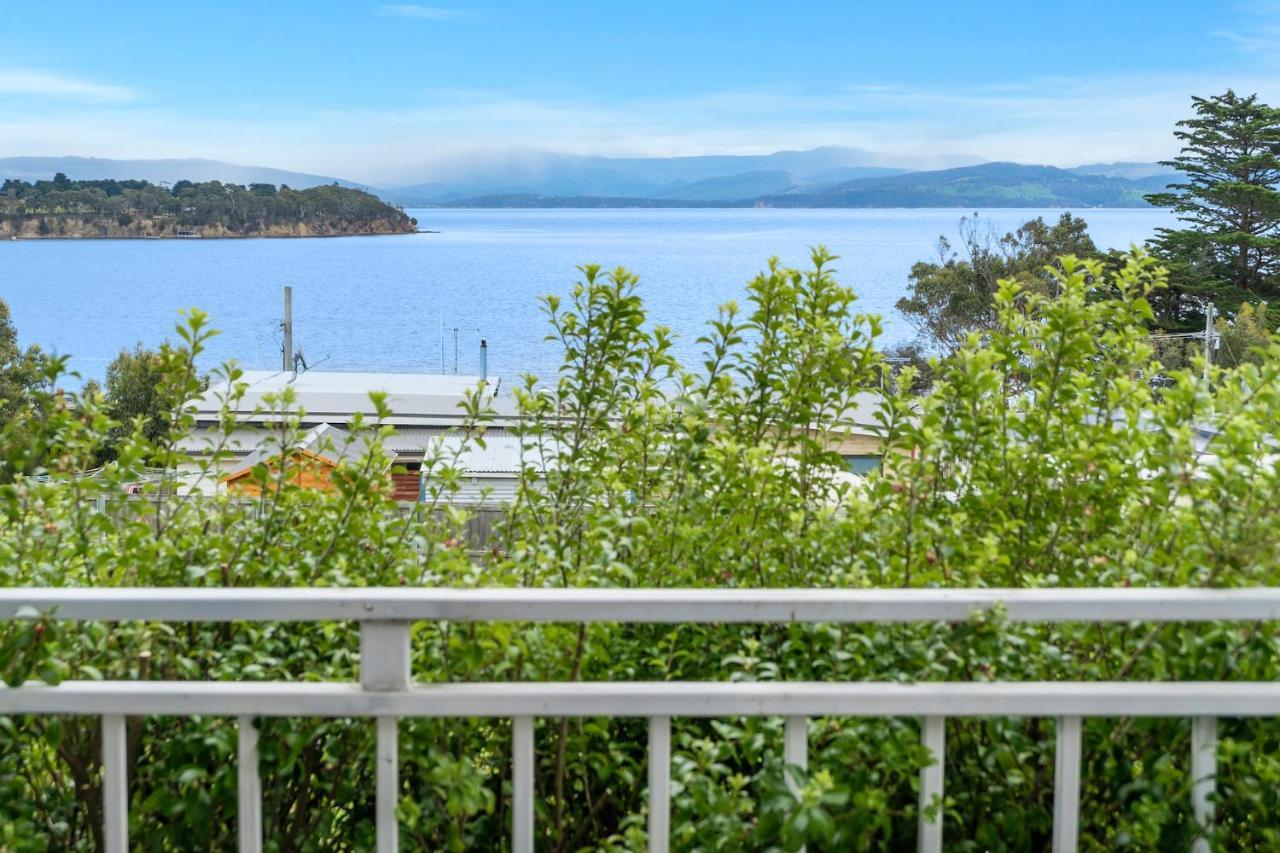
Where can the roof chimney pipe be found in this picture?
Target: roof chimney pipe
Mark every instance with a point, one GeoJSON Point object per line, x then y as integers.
{"type": "Point", "coordinates": [484, 360]}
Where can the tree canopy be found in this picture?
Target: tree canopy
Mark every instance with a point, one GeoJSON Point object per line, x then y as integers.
{"type": "Point", "coordinates": [21, 370]}
{"type": "Point", "coordinates": [951, 298]}
{"type": "Point", "coordinates": [25, 377]}
{"type": "Point", "coordinates": [1229, 198]}
{"type": "Point", "coordinates": [124, 207]}
{"type": "Point", "coordinates": [135, 392]}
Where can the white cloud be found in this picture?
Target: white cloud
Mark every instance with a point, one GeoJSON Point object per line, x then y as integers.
{"type": "Point", "coordinates": [30, 82]}
{"type": "Point", "coordinates": [1260, 34]}
{"type": "Point", "coordinates": [428, 13]}
{"type": "Point", "coordinates": [1058, 121]}
{"type": "Point", "coordinates": [1263, 40]}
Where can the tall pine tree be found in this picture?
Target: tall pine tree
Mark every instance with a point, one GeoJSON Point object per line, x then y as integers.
{"type": "Point", "coordinates": [1230, 199]}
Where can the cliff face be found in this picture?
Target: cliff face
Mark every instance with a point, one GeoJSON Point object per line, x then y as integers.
{"type": "Point", "coordinates": [87, 227]}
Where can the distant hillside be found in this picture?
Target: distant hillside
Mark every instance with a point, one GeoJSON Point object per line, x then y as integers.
{"type": "Point", "coordinates": [529, 200]}
{"type": "Point", "coordinates": [988, 185]}
{"type": "Point", "coordinates": [123, 209]}
{"type": "Point", "coordinates": [1130, 171]}
{"type": "Point", "coordinates": [748, 185]}
{"type": "Point", "coordinates": [1157, 183]}
{"type": "Point", "coordinates": [157, 171]}
{"type": "Point", "coordinates": [547, 174]}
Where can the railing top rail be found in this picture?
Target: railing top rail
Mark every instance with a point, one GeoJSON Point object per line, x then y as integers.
{"type": "Point", "coordinates": [639, 699]}
{"type": "Point", "coordinates": [654, 606]}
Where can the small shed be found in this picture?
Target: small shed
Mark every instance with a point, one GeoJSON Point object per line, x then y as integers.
{"type": "Point", "coordinates": [312, 460]}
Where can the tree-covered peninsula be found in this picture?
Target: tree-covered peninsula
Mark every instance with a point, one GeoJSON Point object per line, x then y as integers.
{"type": "Point", "coordinates": [66, 208]}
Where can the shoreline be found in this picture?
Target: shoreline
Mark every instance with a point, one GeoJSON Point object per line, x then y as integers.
{"type": "Point", "coordinates": [749, 207]}
{"type": "Point", "coordinates": [175, 238]}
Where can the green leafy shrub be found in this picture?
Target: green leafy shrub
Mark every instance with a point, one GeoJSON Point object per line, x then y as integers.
{"type": "Point", "coordinates": [1044, 456]}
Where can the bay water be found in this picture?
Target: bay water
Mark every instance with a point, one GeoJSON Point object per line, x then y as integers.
{"type": "Point", "coordinates": [393, 303]}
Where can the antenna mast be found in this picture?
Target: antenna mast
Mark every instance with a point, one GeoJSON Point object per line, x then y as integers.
{"type": "Point", "coordinates": [288, 328]}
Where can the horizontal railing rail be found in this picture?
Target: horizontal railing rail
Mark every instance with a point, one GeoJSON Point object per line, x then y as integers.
{"type": "Point", "coordinates": [645, 699]}
{"type": "Point", "coordinates": [652, 606]}
{"type": "Point", "coordinates": [386, 691]}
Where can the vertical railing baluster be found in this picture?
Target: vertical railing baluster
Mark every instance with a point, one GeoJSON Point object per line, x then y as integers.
{"type": "Point", "coordinates": [522, 785]}
{"type": "Point", "coordinates": [933, 736]}
{"type": "Point", "coordinates": [385, 666]}
{"type": "Point", "coordinates": [795, 748]}
{"type": "Point", "coordinates": [795, 751]}
{"type": "Point", "coordinates": [115, 785]}
{"type": "Point", "coordinates": [1066, 786]}
{"type": "Point", "coordinates": [388, 785]}
{"type": "Point", "coordinates": [659, 784]}
{"type": "Point", "coordinates": [248, 787]}
{"type": "Point", "coordinates": [1204, 771]}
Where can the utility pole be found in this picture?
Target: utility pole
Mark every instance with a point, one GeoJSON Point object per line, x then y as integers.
{"type": "Point", "coordinates": [288, 328]}
{"type": "Point", "coordinates": [1208, 340]}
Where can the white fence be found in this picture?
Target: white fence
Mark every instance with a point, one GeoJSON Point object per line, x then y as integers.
{"type": "Point", "coordinates": [386, 691]}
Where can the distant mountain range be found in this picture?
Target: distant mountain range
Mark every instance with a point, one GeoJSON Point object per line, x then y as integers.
{"type": "Point", "coordinates": [704, 178]}
{"type": "Point", "coordinates": [987, 185]}
{"type": "Point", "coordinates": [820, 177]}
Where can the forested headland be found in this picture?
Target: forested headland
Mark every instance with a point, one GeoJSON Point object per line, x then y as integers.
{"type": "Point", "coordinates": [63, 208]}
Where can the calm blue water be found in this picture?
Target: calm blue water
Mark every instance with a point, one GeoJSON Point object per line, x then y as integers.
{"type": "Point", "coordinates": [376, 303]}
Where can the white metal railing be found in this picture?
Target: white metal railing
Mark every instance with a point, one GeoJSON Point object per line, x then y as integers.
{"type": "Point", "coordinates": [386, 692]}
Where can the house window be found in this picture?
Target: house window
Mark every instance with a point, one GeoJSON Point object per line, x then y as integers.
{"type": "Point", "coordinates": [861, 464]}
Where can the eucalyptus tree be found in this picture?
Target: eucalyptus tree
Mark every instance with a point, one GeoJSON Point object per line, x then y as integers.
{"type": "Point", "coordinates": [954, 296]}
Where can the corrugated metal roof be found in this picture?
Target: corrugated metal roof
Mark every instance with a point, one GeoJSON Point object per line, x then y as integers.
{"type": "Point", "coordinates": [335, 397]}
{"type": "Point", "coordinates": [344, 382]}
{"type": "Point", "coordinates": [415, 439]}
{"type": "Point", "coordinates": [404, 440]}
{"type": "Point", "coordinates": [865, 408]}
{"type": "Point", "coordinates": [501, 455]}
{"type": "Point", "coordinates": [325, 441]}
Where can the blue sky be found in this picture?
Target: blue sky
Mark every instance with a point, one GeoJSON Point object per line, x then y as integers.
{"type": "Point", "coordinates": [379, 92]}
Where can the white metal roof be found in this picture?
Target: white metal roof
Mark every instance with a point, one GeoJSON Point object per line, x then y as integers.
{"type": "Point", "coordinates": [342, 382]}
{"type": "Point", "coordinates": [865, 408]}
{"type": "Point", "coordinates": [335, 397]}
{"type": "Point", "coordinates": [326, 441]}
{"type": "Point", "coordinates": [501, 455]}
{"type": "Point", "coordinates": [408, 441]}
